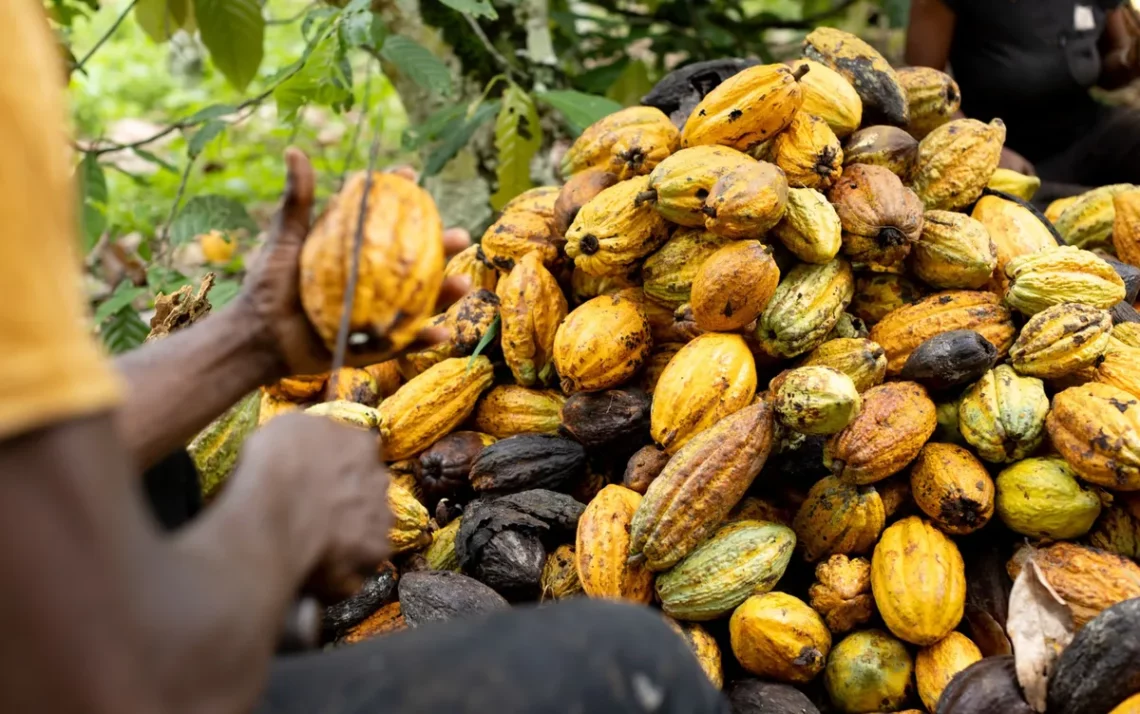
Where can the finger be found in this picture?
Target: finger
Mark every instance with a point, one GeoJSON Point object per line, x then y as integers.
{"type": "Point", "coordinates": [291, 224]}
{"type": "Point", "coordinates": [455, 240]}
{"type": "Point", "coordinates": [405, 171]}
{"type": "Point", "coordinates": [452, 289]}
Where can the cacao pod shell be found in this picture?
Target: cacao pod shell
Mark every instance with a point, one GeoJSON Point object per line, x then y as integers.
{"type": "Point", "coordinates": [1002, 415]}
{"type": "Point", "coordinates": [532, 307]}
{"type": "Point", "coordinates": [733, 286]}
{"type": "Point", "coordinates": [510, 410]}
{"type": "Point", "coordinates": [887, 146]}
{"type": "Point", "coordinates": [1041, 498]}
{"type": "Point", "coordinates": [1096, 428]}
{"type": "Point", "coordinates": [956, 161]}
{"type": "Point", "coordinates": [616, 418]}
{"type": "Point", "coordinates": [838, 518]}
{"type": "Point", "coordinates": [1061, 340]}
{"type": "Point", "coordinates": [807, 304]}
{"type": "Point", "coordinates": [932, 99]}
{"type": "Point", "coordinates": [440, 595]}
{"type": "Point", "coordinates": [602, 548]}
{"type": "Point", "coordinates": [1088, 580]}
{"type": "Point", "coordinates": [1101, 666]}
{"type": "Point", "coordinates": [527, 461]}
{"type": "Point", "coordinates": [953, 488]}
{"type": "Point", "coordinates": [896, 420]}
{"type": "Point", "coordinates": [627, 143]}
{"type": "Point", "coordinates": [868, 671]}
{"type": "Point", "coordinates": [842, 592]}
{"type": "Point", "coordinates": [745, 109]}
{"type": "Point", "coordinates": [936, 665]}
{"type": "Point", "coordinates": [949, 359]}
{"type": "Point", "coordinates": [989, 686]}
{"type": "Point", "coordinates": [601, 344]}
{"type": "Point", "coordinates": [778, 636]}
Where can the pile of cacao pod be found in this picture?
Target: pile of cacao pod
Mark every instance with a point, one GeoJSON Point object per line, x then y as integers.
{"type": "Point", "coordinates": [792, 361]}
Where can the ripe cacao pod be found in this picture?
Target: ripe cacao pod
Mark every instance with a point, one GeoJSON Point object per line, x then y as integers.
{"type": "Point", "coordinates": [1119, 366]}
{"type": "Point", "coordinates": [842, 592]}
{"type": "Point", "coordinates": [472, 264]}
{"type": "Point", "coordinates": [954, 251]}
{"type": "Point", "coordinates": [881, 218]}
{"type": "Point", "coordinates": [879, 294]}
{"type": "Point", "coordinates": [1014, 231]}
{"type": "Point", "coordinates": [808, 152]}
{"type": "Point", "coordinates": [747, 108]}
{"type": "Point", "coordinates": [704, 647]}
{"type": "Point", "coordinates": [1088, 221]}
{"type": "Point", "coordinates": [520, 463]}
{"type": "Point", "coordinates": [298, 388]}
{"type": "Point", "coordinates": [1118, 528]}
{"type": "Point", "coordinates": [868, 671]}
{"type": "Point", "coordinates": [518, 232]}
{"type": "Point", "coordinates": [658, 360]}
{"type": "Point", "coordinates": [1056, 207]}
{"type": "Point", "coordinates": [859, 358]}
{"type": "Point", "coordinates": [215, 449]}
{"type": "Point", "coordinates": [602, 548]}
{"type": "Point", "coordinates": [1061, 340]}
{"type": "Point", "coordinates": [896, 420]}
{"type": "Point", "coordinates": [445, 466]}
{"type": "Point", "coordinates": [667, 275]}
{"type": "Point", "coordinates": [270, 406]}
{"type": "Point", "coordinates": [584, 286]}
{"type": "Point", "coordinates": [1126, 226]}
{"type": "Point", "coordinates": [778, 636]}
{"type": "Point", "coordinates": [1087, 579]}
{"type": "Point", "coordinates": [815, 400]}
{"type": "Point", "coordinates": [746, 201]}
{"type": "Point", "coordinates": [616, 229]}
{"type": "Point", "coordinates": [532, 307]}
{"type": "Point", "coordinates": [354, 385]}
{"type": "Point", "coordinates": [884, 99]}
{"type": "Point", "coordinates": [882, 145]}
{"type": "Point", "coordinates": [681, 184]}
{"type": "Point", "coordinates": [956, 161]}
{"type": "Point", "coordinates": [1127, 334]}
{"type": "Point", "coordinates": [628, 143]}
{"type": "Point", "coordinates": [932, 99]}
{"type": "Point", "coordinates": [387, 376]}
{"type": "Point", "coordinates": [1041, 498]}
{"type": "Point", "coordinates": [838, 518]}
{"type": "Point", "coordinates": [509, 410]}
{"type": "Point", "coordinates": [1002, 415]}
{"type": "Point", "coordinates": [936, 665]}
{"type": "Point", "coordinates": [409, 530]}
{"type": "Point", "coordinates": [829, 96]}
{"type": "Point", "coordinates": [953, 488]}
{"type": "Point", "coordinates": [1096, 428]}
{"type": "Point", "coordinates": [806, 306]}
{"type": "Point", "coordinates": [440, 555]}
{"type": "Point", "coordinates": [601, 344]}
{"type": "Point", "coordinates": [733, 286]}
{"type": "Point", "coordinates": [949, 359]}
{"type": "Point", "coordinates": [810, 228]}
{"type": "Point", "coordinates": [1014, 183]}
{"type": "Point", "coordinates": [579, 190]}
{"type": "Point", "coordinates": [1061, 275]}
{"type": "Point", "coordinates": [560, 574]}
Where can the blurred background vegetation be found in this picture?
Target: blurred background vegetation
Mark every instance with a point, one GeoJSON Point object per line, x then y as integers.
{"type": "Point", "coordinates": [181, 109]}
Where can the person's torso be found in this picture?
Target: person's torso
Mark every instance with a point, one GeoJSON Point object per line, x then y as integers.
{"type": "Point", "coordinates": [1030, 62]}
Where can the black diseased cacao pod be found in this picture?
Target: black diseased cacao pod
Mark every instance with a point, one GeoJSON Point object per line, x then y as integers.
{"type": "Point", "coordinates": [1123, 312]}
{"type": "Point", "coordinates": [616, 417]}
{"type": "Point", "coordinates": [528, 461]}
{"type": "Point", "coordinates": [350, 612]}
{"type": "Point", "coordinates": [988, 686]}
{"type": "Point", "coordinates": [1101, 666]}
{"type": "Point", "coordinates": [511, 564]}
{"type": "Point", "coordinates": [797, 463]}
{"type": "Point", "coordinates": [987, 595]}
{"type": "Point", "coordinates": [643, 467]}
{"type": "Point", "coordinates": [1130, 274]}
{"type": "Point", "coordinates": [751, 696]}
{"type": "Point", "coordinates": [949, 359]}
{"type": "Point", "coordinates": [439, 595]}
{"type": "Point", "coordinates": [444, 467]}
{"type": "Point", "coordinates": [680, 91]}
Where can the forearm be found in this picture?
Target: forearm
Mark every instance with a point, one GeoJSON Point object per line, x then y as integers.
{"type": "Point", "coordinates": [179, 384]}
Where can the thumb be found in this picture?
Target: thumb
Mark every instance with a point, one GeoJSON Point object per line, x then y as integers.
{"type": "Point", "coordinates": [291, 224]}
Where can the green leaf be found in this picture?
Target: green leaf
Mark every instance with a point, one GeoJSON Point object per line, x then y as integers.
{"type": "Point", "coordinates": [430, 129]}
{"type": "Point", "coordinates": [214, 111]}
{"type": "Point", "coordinates": [456, 135]}
{"type": "Point", "coordinates": [223, 292]}
{"type": "Point", "coordinates": [580, 110]}
{"type": "Point", "coordinates": [123, 331]}
{"type": "Point", "coordinates": [234, 32]}
{"type": "Point", "coordinates": [160, 19]}
{"type": "Point", "coordinates": [164, 280]}
{"type": "Point", "coordinates": [360, 27]}
{"type": "Point", "coordinates": [599, 79]}
{"type": "Point", "coordinates": [124, 295]}
{"type": "Point", "coordinates": [210, 130]}
{"type": "Point", "coordinates": [325, 79]}
{"type": "Point", "coordinates": [94, 197]}
{"type": "Point", "coordinates": [518, 137]}
{"type": "Point", "coordinates": [486, 339]}
{"type": "Point", "coordinates": [631, 85]}
{"type": "Point", "coordinates": [418, 63]}
{"type": "Point", "coordinates": [475, 8]}
{"type": "Point", "coordinates": [202, 214]}
{"type": "Point", "coordinates": [155, 159]}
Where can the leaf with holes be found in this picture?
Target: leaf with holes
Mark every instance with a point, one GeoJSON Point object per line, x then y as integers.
{"type": "Point", "coordinates": [1039, 626]}
{"type": "Point", "coordinates": [518, 137]}
{"type": "Point", "coordinates": [475, 8]}
{"type": "Point", "coordinates": [160, 19]}
{"type": "Point", "coordinates": [418, 63]}
{"type": "Point", "coordinates": [234, 32]}
{"type": "Point", "coordinates": [326, 79]}
{"type": "Point", "coordinates": [125, 294]}
{"type": "Point", "coordinates": [210, 130]}
{"type": "Point", "coordinates": [202, 214]}
{"type": "Point", "coordinates": [93, 197]}
{"type": "Point", "coordinates": [123, 331]}
{"type": "Point", "coordinates": [456, 135]}
{"type": "Point", "coordinates": [580, 110]}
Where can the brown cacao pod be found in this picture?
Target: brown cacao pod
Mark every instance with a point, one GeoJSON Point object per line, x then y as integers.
{"type": "Point", "coordinates": [752, 696]}
{"type": "Point", "coordinates": [441, 595]}
{"type": "Point", "coordinates": [527, 461]}
{"type": "Point", "coordinates": [645, 465]}
{"type": "Point", "coordinates": [577, 192]}
{"type": "Point", "coordinates": [842, 592]}
{"type": "Point", "coordinates": [881, 218]}
{"type": "Point", "coordinates": [445, 466]}
{"type": "Point", "coordinates": [615, 418]}
{"type": "Point", "coordinates": [1100, 668]}
{"type": "Point", "coordinates": [887, 146]}
{"type": "Point", "coordinates": [989, 686]}
{"type": "Point", "coordinates": [896, 420]}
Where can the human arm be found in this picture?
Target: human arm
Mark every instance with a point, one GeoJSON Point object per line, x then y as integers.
{"type": "Point", "coordinates": [1120, 49]}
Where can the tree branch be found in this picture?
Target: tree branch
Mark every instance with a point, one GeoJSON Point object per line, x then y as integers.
{"type": "Point", "coordinates": [503, 62]}
{"type": "Point", "coordinates": [168, 245]}
{"type": "Point", "coordinates": [78, 66]}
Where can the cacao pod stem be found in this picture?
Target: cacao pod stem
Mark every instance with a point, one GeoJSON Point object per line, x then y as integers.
{"type": "Point", "coordinates": [649, 195]}
{"type": "Point", "coordinates": [709, 211]}
{"type": "Point", "coordinates": [589, 244]}
{"type": "Point", "coordinates": [800, 71]}
{"type": "Point", "coordinates": [890, 236]}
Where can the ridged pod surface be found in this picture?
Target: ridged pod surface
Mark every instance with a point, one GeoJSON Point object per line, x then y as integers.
{"type": "Point", "coordinates": [509, 410]}
{"type": "Point", "coordinates": [1061, 340]}
{"type": "Point", "coordinates": [841, 592]}
{"type": "Point", "coordinates": [579, 190]}
{"type": "Point", "coordinates": [667, 275]}
{"type": "Point", "coordinates": [810, 228]}
{"type": "Point", "coordinates": [655, 366]}
{"type": "Point", "coordinates": [936, 665]}
{"type": "Point", "coordinates": [814, 399]}
{"type": "Point", "coordinates": [838, 518]}
{"type": "Point", "coordinates": [1126, 334]}
{"type": "Point", "coordinates": [746, 201]}
{"type": "Point", "coordinates": [887, 146]}
{"type": "Point", "coordinates": [919, 581]}
{"type": "Point", "coordinates": [777, 636]}
{"type": "Point", "coordinates": [299, 387]}
{"type": "Point", "coordinates": [1120, 367]}
{"type": "Point", "coordinates": [347, 413]}
{"type": "Point", "coordinates": [1056, 207]}
{"type": "Point", "coordinates": [560, 574]}
{"type": "Point", "coordinates": [868, 671]}
{"type": "Point", "coordinates": [270, 406]}
{"type": "Point", "coordinates": [409, 529]}
{"type": "Point", "coordinates": [706, 380]}
{"type": "Point", "coordinates": [953, 488]}
{"type": "Point", "coordinates": [897, 418]}
{"type": "Point", "coordinates": [1088, 221]}
{"type": "Point", "coordinates": [733, 285]}
{"type": "Point", "coordinates": [431, 405]}
{"type": "Point", "coordinates": [1087, 579]}
{"type": "Point", "coordinates": [808, 152]}
{"type": "Point", "coordinates": [1096, 428]}
{"type": "Point", "coordinates": [904, 329]}
{"type": "Point", "coordinates": [700, 485]}
{"type": "Point", "coordinates": [1118, 528]}
{"type": "Point", "coordinates": [829, 96]}
{"type": "Point", "coordinates": [1014, 183]}
{"type": "Point", "coordinates": [532, 307]}
{"type": "Point", "coordinates": [401, 263]}
{"type": "Point", "coordinates": [704, 647]}
{"type": "Point", "coordinates": [1002, 415]}
{"type": "Point", "coordinates": [1061, 275]}
{"type": "Point", "coordinates": [875, 81]}
{"type": "Point", "coordinates": [805, 307]}
{"type": "Point", "coordinates": [859, 358]}
{"type": "Point", "coordinates": [601, 344]}
{"type": "Point", "coordinates": [215, 449]}
{"type": "Point", "coordinates": [1014, 231]}
{"type": "Point", "coordinates": [440, 555]}
{"type": "Point", "coordinates": [627, 143]}
{"type": "Point", "coordinates": [881, 218]}
{"type": "Point", "coordinates": [1126, 226]}
{"type": "Point", "coordinates": [519, 231]}
{"type": "Point", "coordinates": [747, 108]}
{"type": "Point", "coordinates": [682, 183]}
{"type": "Point", "coordinates": [954, 251]}
{"type": "Point", "coordinates": [616, 229]}
{"type": "Point", "coordinates": [956, 161]}
{"type": "Point", "coordinates": [1042, 498]}
{"type": "Point", "coordinates": [602, 548]}
{"type": "Point", "coordinates": [357, 385]}
{"type": "Point", "coordinates": [471, 263]}
{"type": "Point", "coordinates": [932, 98]}
{"type": "Point", "coordinates": [879, 294]}
{"type": "Point", "coordinates": [584, 286]}
{"type": "Point", "coordinates": [741, 559]}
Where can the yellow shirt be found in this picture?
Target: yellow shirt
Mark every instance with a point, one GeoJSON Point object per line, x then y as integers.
{"type": "Point", "coordinates": [51, 369]}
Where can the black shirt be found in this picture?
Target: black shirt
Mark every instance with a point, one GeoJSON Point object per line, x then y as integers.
{"type": "Point", "coordinates": [1030, 62]}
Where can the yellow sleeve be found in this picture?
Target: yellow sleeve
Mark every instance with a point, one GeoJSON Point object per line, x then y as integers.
{"type": "Point", "coordinates": [51, 369]}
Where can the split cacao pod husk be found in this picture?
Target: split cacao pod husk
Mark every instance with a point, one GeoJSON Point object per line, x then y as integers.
{"type": "Point", "coordinates": [532, 307]}
{"type": "Point", "coordinates": [520, 463]}
{"type": "Point", "coordinates": [868, 671]}
{"type": "Point", "coordinates": [616, 419]}
{"type": "Point", "coordinates": [949, 359]}
{"type": "Point", "coordinates": [807, 304]}
{"type": "Point", "coordinates": [932, 99]}
{"type": "Point", "coordinates": [733, 286]}
{"type": "Point", "coordinates": [776, 635]}
{"type": "Point", "coordinates": [884, 99]}
{"type": "Point", "coordinates": [954, 251]}
{"type": "Point", "coordinates": [386, 620]}
{"type": "Point", "coordinates": [838, 518]}
{"type": "Point", "coordinates": [746, 109]}
{"type": "Point", "coordinates": [859, 358]}
{"type": "Point", "coordinates": [1002, 415]}
{"type": "Point", "coordinates": [1061, 340]}
{"type": "Point", "coordinates": [1100, 668]}
{"type": "Point", "coordinates": [810, 228]}
{"type": "Point", "coordinates": [829, 96]}
{"type": "Point", "coordinates": [445, 465]}
{"type": "Point", "coordinates": [956, 161]}
{"type": "Point", "coordinates": [1088, 580]}
{"type": "Point", "coordinates": [953, 488]}
{"type": "Point", "coordinates": [627, 143]}
{"type": "Point", "coordinates": [338, 619]}
{"type": "Point", "coordinates": [1061, 275]}
{"type": "Point", "coordinates": [841, 593]}
{"type": "Point", "coordinates": [510, 410]}
{"type": "Point", "coordinates": [882, 145]}
{"type": "Point", "coordinates": [601, 344]}
{"type": "Point", "coordinates": [681, 184]}
{"type": "Point", "coordinates": [667, 275]}
{"type": "Point", "coordinates": [560, 574]}
{"type": "Point", "coordinates": [897, 418]}
{"type": "Point", "coordinates": [879, 294]}
{"type": "Point", "coordinates": [989, 686]}
{"type": "Point", "coordinates": [881, 218]}
{"type": "Point", "coordinates": [1041, 497]}
{"type": "Point", "coordinates": [936, 665]}
{"type": "Point", "coordinates": [616, 229]}
{"type": "Point", "coordinates": [808, 152]}
{"type": "Point", "coordinates": [602, 548]}
{"type": "Point", "coordinates": [703, 646]}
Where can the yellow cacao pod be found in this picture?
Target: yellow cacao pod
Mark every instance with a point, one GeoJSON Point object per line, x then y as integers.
{"type": "Point", "coordinates": [841, 592]}
{"type": "Point", "coordinates": [559, 578]}
{"type": "Point", "coordinates": [509, 410]}
{"type": "Point", "coordinates": [1061, 275]}
{"type": "Point", "coordinates": [519, 231]}
{"type": "Point", "coordinates": [538, 200]}
{"type": "Point", "coordinates": [881, 218]}
{"type": "Point", "coordinates": [627, 143]}
{"type": "Point", "coordinates": [1056, 207]}
{"type": "Point", "coordinates": [1088, 580]}
{"type": "Point", "coordinates": [919, 581]}
{"type": "Point", "coordinates": [1119, 366]}
{"type": "Point", "coordinates": [472, 264]}
{"type": "Point", "coordinates": [708, 379]}
{"type": "Point", "coordinates": [401, 265]}
{"type": "Point", "coordinates": [602, 548]}
{"type": "Point", "coordinates": [777, 636]}
{"type": "Point", "coordinates": [829, 96]}
{"type": "Point", "coordinates": [952, 488]}
{"type": "Point", "coordinates": [936, 665]}
{"type": "Point", "coordinates": [1118, 528]}
{"type": "Point", "coordinates": [932, 99]}
{"type": "Point", "coordinates": [746, 201]}
{"type": "Point", "coordinates": [347, 413]}
{"type": "Point", "coordinates": [810, 228]}
{"type": "Point", "coordinates": [805, 307]}
{"type": "Point", "coordinates": [682, 183]}
{"type": "Point", "coordinates": [1014, 231]}
{"type": "Point", "coordinates": [1126, 226]}
{"type": "Point", "coordinates": [440, 555]}
{"type": "Point", "coordinates": [659, 358]}
{"type": "Point", "coordinates": [601, 344]}
{"type": "Point", "coordinates": [532, 307]}
{"type": "Point", "coordinates": [704, 647]}
{"type": "Point", "coordinates": [584, 286]}
{"type": "Point", "coordinates": [700, 485]}
{"type": "Point", "coordinates": [808, 152]}
{"type": "Point", "coordinates": [1096, 429]}
{"type": "Point", "coordinates": [667, 275]}
{"type": "Point", "coordinates": [954, 251]}
{"type": "Point", "coordinates": [884, 99]}
{"type": "Point", "coordinates": [746, 109]}
{"type": "Point", "coordinates": [615, 230]}
{"type": "Point", "coordinates": [387, 377]}
{"type": "Point", "coordinates": [956, 161]}
{"type": "Point", "coordinates": [1061, 340]}
{"type": "Point", "coordinates": [815, 399]}
{"type": "Point", "coordinates": [1002, 415]}
{"type": "Point", "coordinates": [733, 286]}
{"type": "Point", "coordinates": [1041, 498]}
{"type": "Point", "coordinates": [868, 671]}
{"type": "Point", "coordinates": [410, 528]}
{"type": "Point", "coordinates": [838, 518]}
{"type": "Point", "coordinates": [1131, 705]}
{"type": "Point", "coordinates": [907, 327]}
{"type": "Point", "coordinates": [1014, 183]}
{"type": "Point", "coordinates": [859, 358]}
{"type": "Point", "coordinates": [298, 388]}
{"type": "Point", "coordinates": [1126, 334]}
{"type": "Point", "coordinates": [759, 509]}
{"type": "Point", "coordinates": [430, 406]}
{"type": "Point", "coordinates": [879, 294]}
{"type": "Point", "coordinates": [270, 406]}
{"type": "Point", "coordinates": [896, 420]}
{"type": "Point", "coordinates": [467, 321]}
{"type": "Point", "coordinates": [1088, 221]}
{"type": "Point", "coordinates": [578, 190]}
